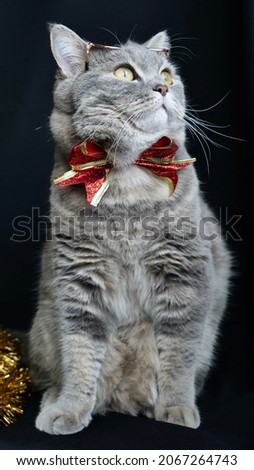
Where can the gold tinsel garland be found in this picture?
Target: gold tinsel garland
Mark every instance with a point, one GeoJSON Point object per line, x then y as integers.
{"type": "Point", "coordinates": [14, 379]}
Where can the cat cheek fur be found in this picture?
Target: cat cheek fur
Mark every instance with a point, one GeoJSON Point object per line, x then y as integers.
{"type": "Point", "coordinates": [132, 292]}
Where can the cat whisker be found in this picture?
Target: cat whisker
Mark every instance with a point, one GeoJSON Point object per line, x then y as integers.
{"type": "Point", "coordinates": [179, 37]}
{"type": "Point", "coordinates": [202, 141]}
{"type": "Point", "coordinates": [183, 57]}
{"type": "Point", "coordinates": [210, 107]}
{"type": "Point", "coordinates": [108, 117]}
{"type": "Point", "coordinates": [184, 51]}
{"type": "Point", "coordinates": [207, 123]}
{"type": "Point", "coordinates": [132, 118]}
{"type": "Point", "coordinates": [212, 128]}
{"type": "Point", "coordinates": [136, 115]}
{"type": "Point", "coordinates": [199, 127]}
{"type": "Point", "coordinates": [113, 34]}
{"type": "Point", "coordinates": [132, 31]}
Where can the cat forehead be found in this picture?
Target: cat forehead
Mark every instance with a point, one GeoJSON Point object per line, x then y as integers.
{"type": "Point", "coordinates": [132, 53]}
{"type": "Point", "coordinates": [71, 52]}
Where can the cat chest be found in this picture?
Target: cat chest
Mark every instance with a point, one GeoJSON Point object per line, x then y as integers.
{"type": "Point", "coordinates": [131, 299]}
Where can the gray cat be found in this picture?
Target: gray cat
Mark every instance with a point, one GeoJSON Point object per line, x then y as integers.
{"type": "Point", "coordinates": [134, 281]}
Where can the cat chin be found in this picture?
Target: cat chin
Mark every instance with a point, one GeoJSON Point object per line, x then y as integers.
{"type": "Point", "coordinates": [160, 118]}
{"type": "Point", "coordinates": [160, 121]}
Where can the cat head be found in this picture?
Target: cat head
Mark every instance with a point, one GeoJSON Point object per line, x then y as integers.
{"type": "Point", "coordinates": [124, 98]}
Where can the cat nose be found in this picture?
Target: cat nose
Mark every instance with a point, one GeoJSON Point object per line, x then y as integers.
{"type": "Point", "coordinates": [162, 89]}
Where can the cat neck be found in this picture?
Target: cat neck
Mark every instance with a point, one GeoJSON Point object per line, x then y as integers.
{"type": "Point", "coordinates": [132, 184]}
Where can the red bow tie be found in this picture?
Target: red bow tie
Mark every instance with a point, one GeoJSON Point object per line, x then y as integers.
{"type": "Point", "coordinates": [89, 166]}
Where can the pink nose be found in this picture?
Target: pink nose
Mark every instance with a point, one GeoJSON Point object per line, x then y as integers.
{"type": "Point", "coordinates": [162, 89]}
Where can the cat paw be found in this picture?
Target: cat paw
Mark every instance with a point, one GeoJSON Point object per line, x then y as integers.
{"type": "Point", "coordinates": [181, 415]}
{"type": "Point", "coordinates": [54, 420]}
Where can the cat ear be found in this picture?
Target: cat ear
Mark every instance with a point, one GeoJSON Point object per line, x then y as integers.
{"type": "Point", "coordinates": [159, 41]}
{"type": "Point", "coordinates": [68, 49]}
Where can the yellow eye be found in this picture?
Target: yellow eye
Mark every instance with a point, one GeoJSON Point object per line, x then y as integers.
{"type": "Point", "coordinates": [166, 77]}
{"type": "Point", "coordinates": [124, 73]}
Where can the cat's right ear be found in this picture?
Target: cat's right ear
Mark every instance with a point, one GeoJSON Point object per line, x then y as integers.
{"type": "Point", "coordinates": [68, 49]}
{"type": "Point", "coordinates": [159, 41]}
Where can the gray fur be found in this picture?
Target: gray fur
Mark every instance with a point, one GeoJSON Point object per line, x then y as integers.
{"type": "Point", "coordinates": [131, 293]}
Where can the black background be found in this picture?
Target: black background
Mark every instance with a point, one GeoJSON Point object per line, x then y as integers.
{"type": "Point", "coordinates": [218, 63]}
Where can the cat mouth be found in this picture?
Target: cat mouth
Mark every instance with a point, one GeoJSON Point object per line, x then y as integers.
{"type": "Point", "coordinates": [162, 108]}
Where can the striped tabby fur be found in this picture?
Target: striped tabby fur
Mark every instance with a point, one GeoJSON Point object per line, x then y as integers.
{"type": "Point", "coordinates": [132, 292]}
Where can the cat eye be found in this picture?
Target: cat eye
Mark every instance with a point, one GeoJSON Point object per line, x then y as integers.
{"type": "Point", "coordinates": [124, 73]}
{"type": "Point", "coordinates": [166, 77]}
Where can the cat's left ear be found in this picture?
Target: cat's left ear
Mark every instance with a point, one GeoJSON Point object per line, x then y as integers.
{"type": "Point", "coordinates": [159, 41]}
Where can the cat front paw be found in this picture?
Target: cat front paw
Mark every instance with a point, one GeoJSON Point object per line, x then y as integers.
{"type": "Point", "coordinates": [54, 420]}
{"type": "Point", "coordinates": [182, 415]}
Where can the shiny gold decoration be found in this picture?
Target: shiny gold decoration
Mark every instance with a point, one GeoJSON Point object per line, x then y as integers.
{"type": "Point", "coordinates": [14, 380]}
{"type": "Point", "coordinates": [90, 169]}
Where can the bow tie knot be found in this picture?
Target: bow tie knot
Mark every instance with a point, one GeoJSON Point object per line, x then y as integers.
{"type": "Point", "coordinates": [89, 166]}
